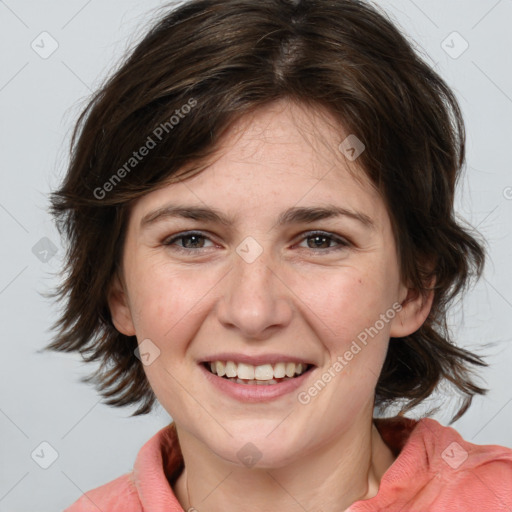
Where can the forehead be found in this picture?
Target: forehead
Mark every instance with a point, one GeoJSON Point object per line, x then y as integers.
{"type": "Point", "coordinates": [281, 155]}
{"type": "Point", "coordinates": [288, 136]}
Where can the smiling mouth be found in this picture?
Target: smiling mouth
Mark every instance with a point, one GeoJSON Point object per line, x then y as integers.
{"type": "Point", "coordinates": [265, 374]}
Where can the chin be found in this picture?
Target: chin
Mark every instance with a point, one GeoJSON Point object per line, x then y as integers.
{"type": "Point", "coordinates": [261, 446]}
{"type": "Point", "coordinates": [254, 456]}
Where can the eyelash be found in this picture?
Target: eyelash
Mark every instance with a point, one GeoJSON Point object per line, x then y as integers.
{"type": "Point", "coordinates": [310, 234]}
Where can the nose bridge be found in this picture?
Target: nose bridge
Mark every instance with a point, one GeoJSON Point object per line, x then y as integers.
{"type": "Point", "coordinates": [254, 298]}
{"type": "Point", "coordinates": [252, 266]}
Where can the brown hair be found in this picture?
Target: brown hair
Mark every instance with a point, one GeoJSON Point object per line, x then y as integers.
{"type": "Point", "coordinates": [200, 68]}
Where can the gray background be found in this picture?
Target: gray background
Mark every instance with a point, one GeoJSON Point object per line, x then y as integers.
{"type": "Point", "coordinates": [41, 95]}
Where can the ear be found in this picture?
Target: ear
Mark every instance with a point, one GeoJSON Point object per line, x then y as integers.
{"type": "Point", "coordinates": [414, 312]}
{"type": "Point", "coordinates": [119, 307]}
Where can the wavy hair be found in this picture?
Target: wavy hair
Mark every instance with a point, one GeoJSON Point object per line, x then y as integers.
{"type": "Point", "coordinates": [232, 57]}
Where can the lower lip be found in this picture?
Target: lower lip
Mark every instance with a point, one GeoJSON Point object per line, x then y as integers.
{"type": "Point", "coordinates": [255, 392]}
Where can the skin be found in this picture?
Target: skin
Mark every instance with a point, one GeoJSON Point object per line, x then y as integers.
{"type": "Point", "coordinates": [298, 297]}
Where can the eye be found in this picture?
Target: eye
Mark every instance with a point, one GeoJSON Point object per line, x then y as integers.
{"type": "Point", "coordinates": [321, 238]}
{"type": "Point", "coordinates": [190, 240]}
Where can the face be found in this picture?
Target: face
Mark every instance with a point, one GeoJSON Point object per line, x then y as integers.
{"type": "Point", "coordinates": [264, 287]}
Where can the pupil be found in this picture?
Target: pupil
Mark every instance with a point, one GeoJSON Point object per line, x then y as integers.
{"type": "Point", "coordinates": [318, 238]}
{"type": "Point", "coordinates": [191, 237]}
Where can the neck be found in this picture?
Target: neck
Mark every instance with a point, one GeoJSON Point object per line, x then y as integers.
{"type": "Point", "coordinates": [343, 470]}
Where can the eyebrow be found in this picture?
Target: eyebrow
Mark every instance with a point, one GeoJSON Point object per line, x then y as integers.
{"type": "Point", "coordinates": [294, 215]}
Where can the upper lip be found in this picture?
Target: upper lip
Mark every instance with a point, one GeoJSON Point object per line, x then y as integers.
{"type": "Point", "coordinates": [256, 360]}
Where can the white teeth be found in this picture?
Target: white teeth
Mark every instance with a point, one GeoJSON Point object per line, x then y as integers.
{"type": "Point", "coordinates": [245, 371]}
{"type": "Point", "coordinates": [258, 374]}
{"type": "Point", "coordinates": [290, 369]}
{"type": "Point", "coordinates": [263, 372]}
{"type": "Point", "coordinates": [264, 382]}
{"type": "Point", "coordinates": [279, 370]}
{"type": "Point", "coordinates": [257, 382]}
{"type": "Point", "coordinates": [221, 369]}
{"type": "Point", "coordinates": [230, 369]}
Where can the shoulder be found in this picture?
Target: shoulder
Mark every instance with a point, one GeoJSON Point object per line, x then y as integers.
{"type": "Point", "coordinates": [437, 469]}
{"type": "Point", "coordinates": [119, 495]}
{"type": "Point", "coordinates": [147, 486]}
{"type": "Point", "coordinates": [459, 454]}
{"type": "Point", "coordinates": [464, 472]}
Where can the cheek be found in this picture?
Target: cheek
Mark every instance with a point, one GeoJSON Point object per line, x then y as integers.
{"type": "Point", "coordinates": [166, 301]}
{"type": "Point", "coordinates": [348, 302]}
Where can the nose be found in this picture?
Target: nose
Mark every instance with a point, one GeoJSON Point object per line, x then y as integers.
{"type": "Point", "coordinates": [255, 299]}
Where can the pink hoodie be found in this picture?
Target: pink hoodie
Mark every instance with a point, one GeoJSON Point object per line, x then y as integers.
{"type": "Point", "coordinates": [436, 470]}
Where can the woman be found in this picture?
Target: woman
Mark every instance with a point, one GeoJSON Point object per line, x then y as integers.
{"type": "Point", "coordinates": [262, 238]}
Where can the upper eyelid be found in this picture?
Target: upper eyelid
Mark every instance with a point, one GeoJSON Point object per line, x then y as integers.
{"type": "Point", "coordinates": [184, 234]}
